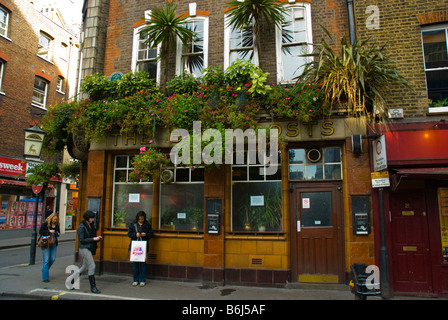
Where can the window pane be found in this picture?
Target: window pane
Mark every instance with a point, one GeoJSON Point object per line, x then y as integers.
{"type": "Point", "coordinates": [437, 84]}
{"type": "Point", "coordinates": [292, 62]}
{"type": "Point", "coordinates": [254, 173]}
{"type": "Point", "coordinates": [333, 172]}
{"type": "Point", "coordinates": [297, 156]}
{"type": "Point", "coordinates": [297, 172]}
{"type": "Point", "coordinates": [276, 176]}
{"type": "Point", "coordinates": [319, 212]}
{"type": "Point", "coordinates": [315, 172]}
{"type": "Point", "coordinates": [182, 175]}
{"type": "Point", "coordinates": [3, 18]}
{"type": "Point", "coordinates": [253, 215]}
{"type": "Point", "coordinates": [121, 162]}
{"type": "Point", "coordinates": [239, 173]}
{"type": "Point", "coordinates": [332, 155]}
{"type": "Point", "coordinates": [434, 44]}
{"type": "Point", "coordinates": [182, 206]}
{"type": "Point", "coordinates": [124, 210]}
{"type": "Point", "coordinates": [148, 66]}
{"type": "Point", "coordinates": [120, 176]}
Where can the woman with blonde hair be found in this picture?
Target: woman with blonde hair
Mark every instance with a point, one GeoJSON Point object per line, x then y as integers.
{"type": "Point", "coordinates": [49, 228]}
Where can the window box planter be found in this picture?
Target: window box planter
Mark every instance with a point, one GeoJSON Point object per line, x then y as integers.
{"type": "Point", "coordinates": [438, 109]}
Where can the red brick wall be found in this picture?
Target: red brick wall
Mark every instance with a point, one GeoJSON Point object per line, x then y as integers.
{"type": "Point", "coordinates": [22, 65]}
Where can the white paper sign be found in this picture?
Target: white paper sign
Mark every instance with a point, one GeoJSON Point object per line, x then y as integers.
{"type": "Point", "coordinates": [134, 197]}
{"type": "Point", "coordinates": [306, 203]}
{"type": "Point", "coordinates": [257, 201]}
{"type": "Point", "coordinates": [379, 154]}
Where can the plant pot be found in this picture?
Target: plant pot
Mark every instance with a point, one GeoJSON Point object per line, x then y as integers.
{"type": "Point", "coordinates": [262, 228]}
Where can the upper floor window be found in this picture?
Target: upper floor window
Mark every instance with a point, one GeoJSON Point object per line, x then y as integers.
{"type": "Point", "coordinates": [44, 46]}
{"type": "Point", "coordinates": [193, 57]}
{"type": "Point", "coordinates": [293, 40]}
{"type": "Point", "coordinates": [239, 44]}
{"type": "Point", "coordinates": [40, 92]}
{"type": "Point", "coordinates": [60, 84]}
{"type": "Point", "coordinates": [435, 47]}
{"type": "Point", "coordinates": [144, 58]}
{"type": "Point", "coordinates": [4, 18]}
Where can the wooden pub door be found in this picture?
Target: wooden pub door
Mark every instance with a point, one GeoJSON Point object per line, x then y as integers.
{"type": "Point", "coordinates": [317, 247]}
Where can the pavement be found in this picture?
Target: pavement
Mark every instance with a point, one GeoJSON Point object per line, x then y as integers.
{"type": "Point", "coordinates": [24, 282]}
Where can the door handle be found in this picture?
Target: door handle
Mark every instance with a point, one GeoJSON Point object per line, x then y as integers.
{"type": "Point", "coordinates": [298, 226]}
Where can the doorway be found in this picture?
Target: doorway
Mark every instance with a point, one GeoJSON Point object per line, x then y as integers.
{"type": "Point", "coordinates": [410, 252]}
{"type": "Point", "coordinates": [317, 247]}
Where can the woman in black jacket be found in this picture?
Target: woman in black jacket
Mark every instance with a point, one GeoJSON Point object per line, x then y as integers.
{"type": "Point", "coordinates": [140, 229]}
{"type": "Point", "coordinates": [49, 228]}
{"type": "Point", "coordinates": [87, 241]}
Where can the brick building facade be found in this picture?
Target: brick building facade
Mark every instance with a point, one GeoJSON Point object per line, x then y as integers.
{"type": "Point", "coordinates": [234, 255]}
{"type": "Point", "coordinates": [415, 138]}
{"type": "Point", "coordinates": [321, 251]}
{"type": "Point", "coordinates": [38, 60]}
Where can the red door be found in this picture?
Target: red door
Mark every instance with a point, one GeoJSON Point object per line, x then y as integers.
{"type": "Point", "coordinates": [411, 264]}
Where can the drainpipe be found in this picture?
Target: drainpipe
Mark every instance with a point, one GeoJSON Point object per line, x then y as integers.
{"type": "Point", "coordinates": [351, 21]}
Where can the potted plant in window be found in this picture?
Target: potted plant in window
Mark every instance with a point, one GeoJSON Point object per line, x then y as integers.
{"type": "Point", "coordinates": [439, 106]}
{"type": "Point", "coordinates": [195, 216]}
{"type": "Point", "coordinates": [119, 219]}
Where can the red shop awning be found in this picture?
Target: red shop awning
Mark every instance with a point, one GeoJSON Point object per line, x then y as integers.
{"type": "Point", "coordinates": [18, 183]}
{"type": "Point", "coordinates": [14, 183]}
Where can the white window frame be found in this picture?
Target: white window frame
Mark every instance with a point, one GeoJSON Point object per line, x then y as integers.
{"type": "Point", "coordinates": [179, 67]}
{"type": "Point", "coordinates": [60, 84]}
{"type": "Point", "coordinates": [174, 180]}
{"type": "Point", "coordinates": [44, 93]}
{"type": "Point", "coordinates": [279, 44]}
{"type": "Point", "coordinates": [227, 49]}
{"type": "Point", "coordinates": [46, 56]}
{"type": "Point", "coordinates": [127, 169]}
{"type": "Point", "coordinates": [135, 50]}
{"type": "Point", "coordinates": [437, 27]}
{"type": "Point", "coordinates": [6, 24]}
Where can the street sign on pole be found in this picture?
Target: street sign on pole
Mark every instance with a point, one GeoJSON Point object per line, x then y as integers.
{"type": "Point", "coordinates": [380, 179]}
{"type": "Point", "coordinates": [37, 188]}
{"type": "Point", "coordinates": [379, 154]}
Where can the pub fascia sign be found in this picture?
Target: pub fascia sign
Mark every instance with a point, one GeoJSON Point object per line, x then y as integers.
{"type": "Point", "coordinates": [317, 130]}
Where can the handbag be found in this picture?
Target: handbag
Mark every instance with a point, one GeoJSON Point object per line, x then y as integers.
{"type": "Point", "coordinates": [46, 241]}
{"type": "Point", "coordinates": [138, 250]}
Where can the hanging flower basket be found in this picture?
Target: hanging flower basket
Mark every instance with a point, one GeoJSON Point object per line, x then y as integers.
{"type": "Point", "coordinates": [147, 164]}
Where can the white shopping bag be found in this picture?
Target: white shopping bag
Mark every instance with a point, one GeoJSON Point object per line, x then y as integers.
{"type": "Point", "coordinates": [138, 251]}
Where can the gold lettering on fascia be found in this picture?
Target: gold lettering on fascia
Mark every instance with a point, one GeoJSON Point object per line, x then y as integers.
{"type": "Point", "coordinates": [292, 130]}
{"type": "Point", "coordinates": [144, 139]}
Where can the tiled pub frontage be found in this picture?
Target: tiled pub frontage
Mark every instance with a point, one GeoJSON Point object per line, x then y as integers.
{"type": "Point", "coordinates": [232, 224]}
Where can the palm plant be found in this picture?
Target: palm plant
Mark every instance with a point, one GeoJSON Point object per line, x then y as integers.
{"type": "Point", "coordinates": [164, 28]}
{"type": "Point", "coordinates": [358, 76]}
{"type": "Point", "coordinates": [243, 13]}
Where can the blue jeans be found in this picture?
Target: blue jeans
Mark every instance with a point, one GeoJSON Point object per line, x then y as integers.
{"type": "Point", "coordinates": [139, 270]}
{"type": "Point", "coordinates": [49, 256]}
